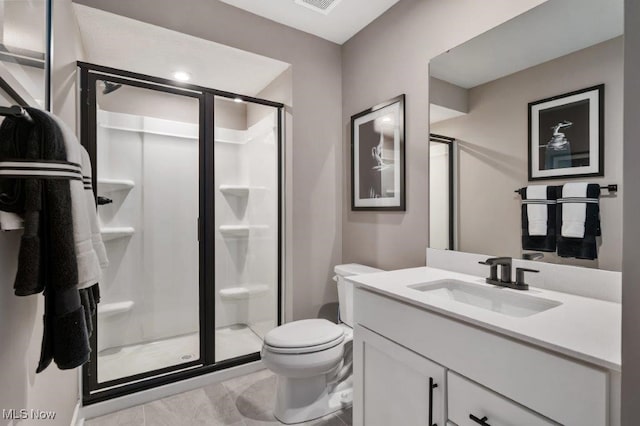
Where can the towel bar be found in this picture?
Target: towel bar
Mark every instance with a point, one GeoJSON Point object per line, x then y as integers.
{"type": "Point", "coordinates": [611, 188]}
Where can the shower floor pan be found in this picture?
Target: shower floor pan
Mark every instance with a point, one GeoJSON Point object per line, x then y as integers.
{"type": "Point", "coordinates": [124, 361]}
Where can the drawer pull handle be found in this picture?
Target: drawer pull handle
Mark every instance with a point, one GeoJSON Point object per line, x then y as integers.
{"type": "Point", "coordinates": [482, 421]}
{"type": "Point", "coordinates": [432, 386]}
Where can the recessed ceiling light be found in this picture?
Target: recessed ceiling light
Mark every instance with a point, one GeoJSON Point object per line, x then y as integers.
{"type": "Point", "coordinates": [238, 100]}
{"type": "Point", "coordinates": [182, 76]}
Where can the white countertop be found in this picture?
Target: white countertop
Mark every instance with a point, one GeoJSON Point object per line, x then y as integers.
{"type": "Point", "coordinates": [583, 328]}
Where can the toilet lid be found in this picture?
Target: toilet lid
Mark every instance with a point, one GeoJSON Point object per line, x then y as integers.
{"type": "Point", "coordinates": [304, 334]}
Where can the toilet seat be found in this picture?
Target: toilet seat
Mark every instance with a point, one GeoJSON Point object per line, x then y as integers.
{"type": "Point", "coordinates": [304, 336]}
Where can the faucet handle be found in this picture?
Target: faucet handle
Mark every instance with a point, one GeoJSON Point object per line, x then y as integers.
{"type": "Point", "coordinates": [496, 260]}
{"type": "Point", "coordinates": [493, 270]}
{"type": "Point", "coordinates": [520, 277]}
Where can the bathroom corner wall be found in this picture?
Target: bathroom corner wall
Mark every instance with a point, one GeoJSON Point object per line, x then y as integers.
{"type": "Point", "coordinates": [387, 58]}
{"type": "Point", "coordinates": [315, 212]}
{"type": "Point", "coordinates": [631, 240]}
{"type": "Point", "coordinates": [21, 325]}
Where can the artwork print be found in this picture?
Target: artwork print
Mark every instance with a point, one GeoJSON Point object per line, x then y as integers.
{"type": "Point", "coordinates": [566, 135]}
{"type": "Point", "coordinates": [378, 157]}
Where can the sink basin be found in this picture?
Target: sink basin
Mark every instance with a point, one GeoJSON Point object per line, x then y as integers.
{"type": "Point", "coordinates": [487, 297]}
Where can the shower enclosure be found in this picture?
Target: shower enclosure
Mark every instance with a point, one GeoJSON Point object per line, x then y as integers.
{"type": "Point", "coordinates": [188, 185]}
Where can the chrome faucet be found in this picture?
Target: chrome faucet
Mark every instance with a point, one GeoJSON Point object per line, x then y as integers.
{"type": "Point", "coordinates": [505, 273]}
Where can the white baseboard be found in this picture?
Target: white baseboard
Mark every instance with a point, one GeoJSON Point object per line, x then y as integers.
{"type": "Point", "coordinates": [143, 397]}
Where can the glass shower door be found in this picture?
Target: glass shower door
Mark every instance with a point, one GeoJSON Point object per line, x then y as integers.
{"type": "Point", "coordinates": [246, 225]}
{"type": "Point", "coordinates": [189, 188]}
{"type": "Point", "coordinates": [148, 188]}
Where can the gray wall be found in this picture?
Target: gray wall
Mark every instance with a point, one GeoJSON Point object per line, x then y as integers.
{"type": "Point", "coordinates": [387, 58]}
{"type": "Point", "coordinates": [21, 325]}
{"type": "Point", "coordinates": [492, 141]}
{"type": "Point", "coordinates": [168, 106]}
{"type": "Point", "coordinates": [448, 95]}
{"type": "Point", "coordinates": [631, 240]}
{"type": "Point", "coordinates": [316, 166]}
{"type": "Point", "coordinates": [279, 90]}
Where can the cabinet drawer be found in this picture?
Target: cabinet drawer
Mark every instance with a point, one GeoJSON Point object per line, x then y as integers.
{"type": "Point", "coordinates": [466, 398]}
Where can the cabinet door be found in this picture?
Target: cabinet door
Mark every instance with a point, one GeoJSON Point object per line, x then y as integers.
{"type": "Point", "coordinates": [393, 385]}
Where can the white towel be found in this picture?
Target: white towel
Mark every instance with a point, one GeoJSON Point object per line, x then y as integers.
{"type": "Point", "coordinates": [10, 221]}
{"type": "Point", "coordinates": [87, 256]}
{"type": "Point", "coordinates": [96, 236]}
{"type": "Point", "coordinates": [574, 214]}
{"type": "Point", "coordinates": [537, 213]}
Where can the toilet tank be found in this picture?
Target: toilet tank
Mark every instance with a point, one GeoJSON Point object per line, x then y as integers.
{"type": "Point", "coordinates": [345, 288]}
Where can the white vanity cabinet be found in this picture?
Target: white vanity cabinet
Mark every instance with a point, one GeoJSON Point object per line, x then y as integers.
{"type": "Point", "coordinates": [398, 347]}
{"type": "Point", "coordinates": [401, 387]}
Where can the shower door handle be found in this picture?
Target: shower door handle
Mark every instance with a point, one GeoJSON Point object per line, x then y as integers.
{"type": "Point", "coordinates": [199, 229]}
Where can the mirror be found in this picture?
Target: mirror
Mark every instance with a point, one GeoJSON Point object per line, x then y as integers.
{"type": "Point", "coordinates": [23, 52]}
{"type": "Point", "coordinates": [480, 93]}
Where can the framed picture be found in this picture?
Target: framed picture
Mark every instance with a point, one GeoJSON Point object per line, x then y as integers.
{"type": "Point", "coordinates": [377, 157]}
{"type": "Point", "coordinates": [566, 135]}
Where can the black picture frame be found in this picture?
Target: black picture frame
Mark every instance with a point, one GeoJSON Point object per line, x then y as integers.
{"type": "Point", "coordinates": [566, 135]}
{"type": "Point", "coordinates": [377, 172]}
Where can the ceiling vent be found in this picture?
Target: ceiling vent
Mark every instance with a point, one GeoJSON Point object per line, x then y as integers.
{"type": "Point", "coordinates": [322, 6]}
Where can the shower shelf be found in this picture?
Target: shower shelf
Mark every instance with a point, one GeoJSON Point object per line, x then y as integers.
{"type": "Point", "coordinates": [109, 234]}
{"type": "Point", "coordinates": [243, 292]}
{"type": "Point", "coordinates": [240, 190]}
{"type": "Point", "coordinates": [109, 309]}
{"type": "Point", "coordinates": [240, 230]}
{"type": "Point", "coordinates": [237, 190]}
{"type": "Point", "coordinates": [112, 185]}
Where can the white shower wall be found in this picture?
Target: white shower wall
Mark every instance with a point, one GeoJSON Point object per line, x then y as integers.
{"type": "Point", "coordinates": [157, 267]}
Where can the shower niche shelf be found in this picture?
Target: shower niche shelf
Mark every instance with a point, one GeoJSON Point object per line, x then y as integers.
{"type": "Point", "coordinates": [241, 231]}
{"type": "Point", "coordinates": [111, 309]}
{"type": "Point", "coordinates": [109, 234]}
{"type": "Point", "coordinates": [240, 190]}
{"type": "Point", "coordinates": [235, 190]}
{"type": "Point", "coordinates": [113, 185]}
{"type": "Point", "coordinates": [243, 292]}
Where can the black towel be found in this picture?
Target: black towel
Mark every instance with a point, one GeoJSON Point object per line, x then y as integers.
{"type": "Point", "coordinates": [46, 260]}
{"type": "Point", "coordinates": [546, 242]}
{"type": "Point", "coordinates": [90, 297]}
{"type": "Point", "coordinates": [586, 247]}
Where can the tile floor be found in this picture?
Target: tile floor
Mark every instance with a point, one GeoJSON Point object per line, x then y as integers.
{"type": "Point", "coordinates": [242, 401]}
{"type": "Point", "coordinates": [124, 361]}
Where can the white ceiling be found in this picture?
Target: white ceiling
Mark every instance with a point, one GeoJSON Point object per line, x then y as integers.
{"type": "Point", "coordinates": [551, 30]}
{"type": "Point", "coordinates": [131, 45]}
{"type": "Point", "coordinates": [343, 22]}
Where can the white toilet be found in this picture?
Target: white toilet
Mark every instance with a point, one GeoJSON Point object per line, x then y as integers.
{"type": "Point", "coordinates": [313, 358]}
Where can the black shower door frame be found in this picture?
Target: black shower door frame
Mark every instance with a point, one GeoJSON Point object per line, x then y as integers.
{"type": "Point", "coordinates": [449, 142]}
{"type": "Point", "coordinates": [94, 391]}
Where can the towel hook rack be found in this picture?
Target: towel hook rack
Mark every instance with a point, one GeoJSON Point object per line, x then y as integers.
{"type": "Point", "coordinates": [16, 111]}
{"type": "Point", "coordinates": [611, 188]}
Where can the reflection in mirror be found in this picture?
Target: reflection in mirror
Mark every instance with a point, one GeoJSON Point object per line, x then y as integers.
{"type": "Point", "coordinates": [23, 41]}
{"type": "Point", "coordinates": [441, 192]}
{"type": "Point", "coordinates": [479, 96]}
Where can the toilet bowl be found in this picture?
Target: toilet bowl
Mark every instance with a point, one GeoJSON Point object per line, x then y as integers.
{"type": "Point", "coordinates": [313, 359]}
